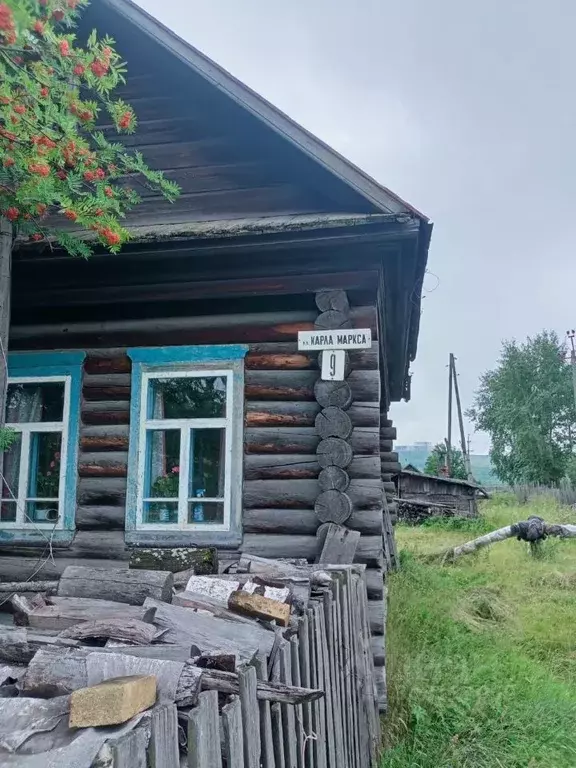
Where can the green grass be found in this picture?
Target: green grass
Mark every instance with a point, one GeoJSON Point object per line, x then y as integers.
{"type": "Point", "coordinates": [482, 654]}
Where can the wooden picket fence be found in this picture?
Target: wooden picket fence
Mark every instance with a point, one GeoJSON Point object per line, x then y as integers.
{"type": "Point", "coordinates": [330, 649]}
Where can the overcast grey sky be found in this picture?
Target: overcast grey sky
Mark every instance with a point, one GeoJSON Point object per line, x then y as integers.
{"type": "Point", "coordinates": [468, 111]}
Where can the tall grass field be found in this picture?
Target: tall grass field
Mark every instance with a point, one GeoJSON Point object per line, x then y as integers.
{"type": "Point", "coordinates": [482, 653]}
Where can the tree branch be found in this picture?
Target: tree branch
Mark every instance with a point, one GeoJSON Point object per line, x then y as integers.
{"type": "Point", "coordinates": [549, 529]}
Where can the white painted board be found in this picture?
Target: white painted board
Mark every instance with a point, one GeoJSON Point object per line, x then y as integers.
{"type": "Point", "coordinates": [347, 338]}
{"type": "Point", "coordinates": [333, 364]}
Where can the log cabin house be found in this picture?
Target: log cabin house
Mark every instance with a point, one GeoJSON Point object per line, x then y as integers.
{"type": "Point", "coordinates": [159, 395]}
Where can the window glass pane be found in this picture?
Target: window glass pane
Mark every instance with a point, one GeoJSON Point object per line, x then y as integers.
{"type": "Point", "coordinates": [8, 512]}
{"type": "Point", "coordinates": [41, 512]}
{"type": "Point", "coordinates": [29, 403]}
{"type": "Point", "coordinates": [187, 398]}
{"type": "Point", "coordinates": [205, 511]}
{"type": "Point", "coordinates": [11, 469]}
{"type": "Point", "coordinates": [162, 464]}
{"type": "Point", "coordinates": [44, 471]}
{"type": "Point", "coordinates": [162, 512]}
{"type": "Point", "coordinates": [207, 463]}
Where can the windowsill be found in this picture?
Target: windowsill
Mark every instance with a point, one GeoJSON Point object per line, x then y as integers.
{"type": "Point", "coordinates": [32, 536]}
{"type": "Point", "coordinates": [188, 538]}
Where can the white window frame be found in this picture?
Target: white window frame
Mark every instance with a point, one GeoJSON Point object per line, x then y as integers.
{"type": "Point", "coordinates": [185, 426]}
{"type": "Point", "coordinates": [26, 429]}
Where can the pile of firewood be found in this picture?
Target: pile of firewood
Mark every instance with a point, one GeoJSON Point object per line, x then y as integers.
{"type": "Point", "coordinates": [100, 646]}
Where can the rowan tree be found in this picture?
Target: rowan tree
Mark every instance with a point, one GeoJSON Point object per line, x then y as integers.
{"type": "Point", "coordinates": [58, 161]}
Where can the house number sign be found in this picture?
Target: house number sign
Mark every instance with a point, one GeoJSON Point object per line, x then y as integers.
{"type": "Point", "coordinates": [333, 345]}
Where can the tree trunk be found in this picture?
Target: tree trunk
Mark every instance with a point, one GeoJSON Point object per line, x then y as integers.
{"type": "Point", "coordinates": [5, 272]}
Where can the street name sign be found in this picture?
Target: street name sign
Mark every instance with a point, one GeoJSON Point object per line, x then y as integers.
{"type": "Point", "coordinates": [317, 341]}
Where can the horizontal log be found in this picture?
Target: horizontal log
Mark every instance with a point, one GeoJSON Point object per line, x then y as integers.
{"type": "Point", "coordinates": [305, 521]}
{"type": "Point", "coordinates": [113, 392]}
{"type": "Point", "coordinates": [64, 612]}
{"type": "Point", "coordinates": [302, 494]}
{"type": "Point", "coordinates": [7, 587]}
{"type": "Point", "coordinates": [104, 416]}
{"type": "Point", "coordinates": [132, 586]}
{"type": "Point", "coordinates": [304, 440]}
{"type": "Point", "coordinates": [299, 385]}
{"type": "Point", "coordinates": [104, 491]}
{"type": "Point", "coordinates": [97, 517]}
{"type": "Point", "coordinates": [295, 546]}
{"type": "Point", "coordinates": [115, 363]}
{"type": "Point", "coordinates": [391, 456]}
{"type": "Point", "coordinates": [301, 414]}
{"type": "Point", "coordinates": [377, 646]}
{"type": "Point", "coordinates": [104, 438]}
{"type": "Point", "coordinates": [374, 583]}
{"type": "Point", "coordinates": [388, 433]}
{"type": "Point", "coordinates": [386, 445]}
{"type": "Point", "coordinates": [97, 381]}
{"type": "Point", "coordinates": [20, 565]}
{"type": "Point", "coordinates": [391, 467]}
{"type": "Point", "coordinates": [176, 559]}
{"type": "Point", "coordinates": [376, 616]}
{"type": "Point", "coordinates": [303, 467]}
{"type": "Point", "coordinates": [100, 464]}
{"type": "Point", "coordinates": [281, 360]}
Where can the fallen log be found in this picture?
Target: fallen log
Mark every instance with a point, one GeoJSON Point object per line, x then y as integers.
{"type": "Point", "coordinates": [532, 530]}
{"type": "Point", "coordinates": [28, 586]}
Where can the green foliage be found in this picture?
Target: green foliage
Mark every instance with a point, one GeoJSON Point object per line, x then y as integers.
{"type": "Point", "coordinates": [481, 666]}
{"type": "Point", "coordinates": [7, 437]}
{"type": "Point", "coordinates": [55, 167]}
{"type": "Point", "coordinates": [526, 405]}
{"type": "Point", "coordinates": [436, 461]}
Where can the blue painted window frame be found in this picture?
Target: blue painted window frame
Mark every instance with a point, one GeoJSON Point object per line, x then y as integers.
{"type": "Point", "coordinates": [186, 358]}
{"type": "Point", "coordinates": [40, 364]}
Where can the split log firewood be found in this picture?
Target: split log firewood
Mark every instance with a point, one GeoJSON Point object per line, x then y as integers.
{"type": "Point", "coordinates": [119, 585]}
{"type": "Point", "coordinates": [209, 633]}
{"type": "Point", "coordinates": [199, 602]}
{"type": "Point", "coordinates": [127, 630]}
{"type": "Point", "coordinates": [59, 613]}
{"type": "Point", "coordinates": [28, 586]}
{"type": "Point", "coordinates": [18, 646]}
{"type": "Point", "coordinates": [227, 682]}
{"type": "Point", "coordinates": [532, 530]}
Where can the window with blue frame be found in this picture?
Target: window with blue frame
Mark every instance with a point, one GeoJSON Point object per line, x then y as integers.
{"type": "Point", "coordinates": [185, 467]}
{"type": "Point", "coordinates": [39, 469]}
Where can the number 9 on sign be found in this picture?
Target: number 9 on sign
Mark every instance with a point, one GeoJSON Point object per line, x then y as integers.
{"type": "Point", "coordinates": [333, 363]}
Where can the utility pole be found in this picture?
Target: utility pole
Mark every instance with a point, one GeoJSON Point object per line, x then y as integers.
{"type": "Point", "coordinates": [449, 439]}
{"type": "Point", "coordinates": [465, 453]}
{"type": "Point", "coordinates": [571, 334]}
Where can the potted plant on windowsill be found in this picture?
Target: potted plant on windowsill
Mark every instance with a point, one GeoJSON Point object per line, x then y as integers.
{"type": "Point", "coordinates": [165, 487]}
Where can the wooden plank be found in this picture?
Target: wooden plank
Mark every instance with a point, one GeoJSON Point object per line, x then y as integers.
{"type": "Point", "coordinates": [347, 671]}
{"type": "Point", "coordinates": [353, 639]}
{"type": "Point", "coordinates": [339, 546]}
{"type": "Point", "coordinates": [321, 741]}
{"type": "Point", "coordinates": [288, 718]}
{"type": "Point", "coordinates": [298, 709]}
{"type": "Point", "coordinates": [163, 749]}
{"type": "Point", "coordinates": [250, 716]}
{"type": "Point", "coordinates": [304, 656]}
{"type": "Point", "coordinates": [327, 681]}
{"type": "Point", "coordinates": [129, 751]}
{"type": "Point", "coordinates": [132, 586]}
{"type": "Point", "coordinates": [233, 733]}
{"type": "Point", "coordinates": [266, 740]}
{"type": "Point", "coordinates": [204, 733]}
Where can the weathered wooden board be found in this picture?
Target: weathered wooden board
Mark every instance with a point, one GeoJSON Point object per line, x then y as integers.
{"type": "Point", "coordinates": [64, 612]}
{"type": "Point", "coordinates": [247, 681]}
{"type": "Point", "coordinates": [339, 546]}
{"type": "Point", "coordinates": [233, 733]}
{"type": "Point", "coordinates": [163, 746]}
{"type": "Point", "coordinates": [204, 733]}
